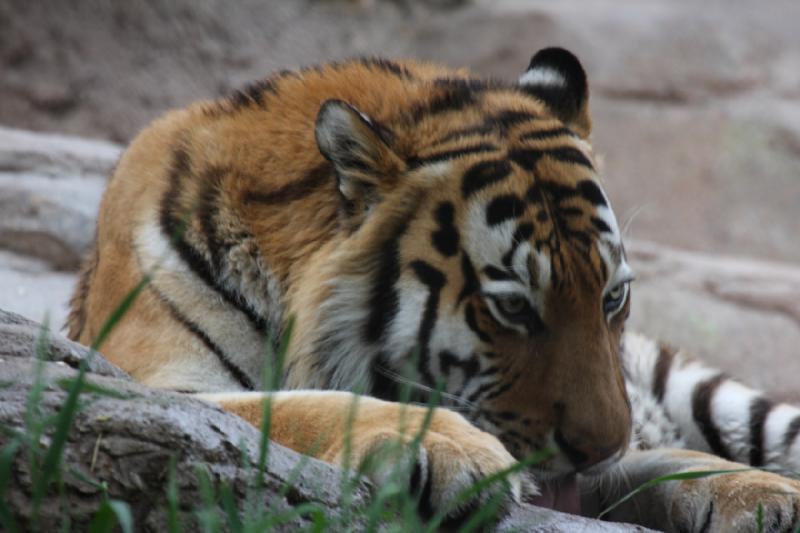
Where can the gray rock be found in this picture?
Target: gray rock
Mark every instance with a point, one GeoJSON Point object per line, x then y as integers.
{"type": "Point", "coordinates": [50, 188]}
{"type": "Point", "coordinates": [20, 337]}
{"type": "Point", "coordinates": [33, 289]}
{"type": "Point", "coordinates": [739, 314]}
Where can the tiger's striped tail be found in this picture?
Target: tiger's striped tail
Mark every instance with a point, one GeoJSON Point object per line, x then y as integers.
{"type": "Point", "coordinates": [710, 411]}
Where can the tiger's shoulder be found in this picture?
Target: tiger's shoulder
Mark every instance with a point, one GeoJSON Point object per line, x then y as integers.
{"type": "Point", "coordinates": [200, 187]}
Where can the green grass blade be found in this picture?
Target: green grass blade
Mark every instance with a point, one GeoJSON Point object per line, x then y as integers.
{"type": "Point", "coordinates": [173, 499]}
{"type": "Point", "coordinates": [6, 465]}
{"type": "Point", "coordinates": [760, 518]}
{"type": "Point", "coordinates": [207, 511]}
{"type": "Point", "coordinates": [123, 513]}
{"type": "Point", "coordinates": [681, 476]}
{"type": "Point", "coordinates": [111, 514]}
{"type": "Point", "coordinates": [228, 501]}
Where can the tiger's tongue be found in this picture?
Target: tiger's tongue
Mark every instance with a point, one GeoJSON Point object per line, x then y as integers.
{"type": "Point", "coordinates": [560, 494]}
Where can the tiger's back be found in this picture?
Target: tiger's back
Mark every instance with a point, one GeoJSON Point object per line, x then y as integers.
{"type": "Point", "coordinates": [240, 187]}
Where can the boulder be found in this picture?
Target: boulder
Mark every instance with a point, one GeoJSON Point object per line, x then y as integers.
{"type": "Point", "coordinates": [50, 188]}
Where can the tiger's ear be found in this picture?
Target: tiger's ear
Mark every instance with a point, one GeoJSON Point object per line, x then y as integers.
{"type": "Point", "coordinates": [556, 77]}
{"type": "Point", "coordinates": [359, 151]}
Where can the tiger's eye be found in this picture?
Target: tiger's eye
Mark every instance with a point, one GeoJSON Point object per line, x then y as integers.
{"type": "Point", "coordinates": [513, 304]}
{"type": "Point", "coordinates": [615, 298]}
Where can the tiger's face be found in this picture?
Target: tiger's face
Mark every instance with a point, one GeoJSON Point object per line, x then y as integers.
{"type": "Point", "coordinates": [498, 273]}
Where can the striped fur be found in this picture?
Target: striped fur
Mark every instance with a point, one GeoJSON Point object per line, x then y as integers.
{"type": "Point", "coordinates": [422, 227]}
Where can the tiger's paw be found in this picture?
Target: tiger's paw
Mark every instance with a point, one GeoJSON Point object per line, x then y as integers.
{"type": "Point", "coordinates": [443, 466]}
{"type": "Point", "coordinates": [731, 502]}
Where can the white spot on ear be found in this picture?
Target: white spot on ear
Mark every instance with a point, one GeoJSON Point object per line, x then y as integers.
{"type": "Point", "coordinates": [543, 76]}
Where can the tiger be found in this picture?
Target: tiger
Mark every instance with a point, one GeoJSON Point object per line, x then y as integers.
{"type": "Point", "coordinates": [417, 227]}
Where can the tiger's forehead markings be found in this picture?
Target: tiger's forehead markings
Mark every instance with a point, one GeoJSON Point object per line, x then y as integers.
{"type": "Point", "coordinates": [482, 175]}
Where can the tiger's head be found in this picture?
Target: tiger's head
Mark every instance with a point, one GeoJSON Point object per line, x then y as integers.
{"type": "Point", "coordinates": [479, 249]}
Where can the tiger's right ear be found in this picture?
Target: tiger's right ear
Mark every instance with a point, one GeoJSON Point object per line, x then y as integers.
{"type": "Point", "coordinates": [359, 151]}
{"type": "Point", "coordinates": [556, 77]}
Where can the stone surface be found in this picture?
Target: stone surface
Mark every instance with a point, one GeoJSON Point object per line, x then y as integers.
{"type": "Point", "coordinates": [31, 287]}
{"type": "Point", "coordinates": [23, 338]}
{"type": "Point", "coordinates": [126, 437]}
{"type": "Point", "coordinates": [50, 187]}
{"type": "Point", "coordinates": [739, 314]}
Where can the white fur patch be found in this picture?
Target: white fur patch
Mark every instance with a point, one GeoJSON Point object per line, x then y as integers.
{"type": "Point", "coordinates": [677, 399]}
{"type": "Point", "coordinates": [543, 76]}
{"type": "Point", "coordinates": [730, 410]}
{"type": "Point", "coordinates": [776, 454]}
{"type": "Point", "coordinates": [225, 325]}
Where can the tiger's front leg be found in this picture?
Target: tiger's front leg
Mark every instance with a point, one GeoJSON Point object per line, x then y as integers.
{"type": "Point", "coordinates": [725, 502]}
{"type": "Point", "coordinates": [453, 454]}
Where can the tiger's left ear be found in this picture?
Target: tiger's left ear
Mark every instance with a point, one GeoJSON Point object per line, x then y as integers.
{"type": "Point", "coordinates": [358, 148]}
{"type": "Point", "coordinates": [556, 77]}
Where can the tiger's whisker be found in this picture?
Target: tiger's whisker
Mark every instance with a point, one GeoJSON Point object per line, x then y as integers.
{"type": "Point", "coordinates": [394, 376]}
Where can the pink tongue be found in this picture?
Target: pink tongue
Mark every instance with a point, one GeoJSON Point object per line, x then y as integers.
{"type": "Point", "coordinates": [560, 494]}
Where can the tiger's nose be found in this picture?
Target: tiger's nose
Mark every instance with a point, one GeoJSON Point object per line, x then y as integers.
{"type": "Point", "coordinates": [583, 457]}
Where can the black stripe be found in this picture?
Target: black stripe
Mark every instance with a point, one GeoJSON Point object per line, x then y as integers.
{"type": "Point", "coordinates": [505, 207]}
{"type": "Point", "coordinates": [501, 388]}
{"type": "Point", "coordinates": [507, 416]}
{"type": "Point", "coordinates": [383, 300]}
{"type": "Point", "coordinates": [472, 323]}
{"type": "Point", "coordinates": [591, 192]}
{"type": "Point", "coordinates": [386, 65]}
{"type": "Point", "coordinates": [546, 134]}
{"type": "Point", "coordinates": [759, 411]}
{"type": "Point", "coordinates": [207, 210]}
{"type": "Point", "coordinates": [557, 192]}
{"type": "Point", "coordinates": [469, 367]}
{"type": "Point", "coordinates": [600, 225]}
{"type": "Point", "coordinates": [489, 371]}
{"type": "Point", "coordinates": [471, 282]}
{"type": "Point", "coordinates": [173, 229]}
{"type": "Point", "coordinates": [569, 155]}
{"type": "Point", "coordinates": [237, 373]}
{"type": "Point", "coordinates": [454, 95]}
{"type": "Point", "coordinates": [475, 396]}
{"type": "Point", "coordinates": [521, 234]}
{"type": "Point", "coordinates": [295, 190]}
{"type": "Point", "coordinates": [527, 158]}
{"type": "Point", "coordinates": [706, 526]}
{"type": "Point", "coordinates": [791, 432]}
{"type": "Point", "coordinates": [434, 279]}
{"type": "Point", "coordinates": [661, 371]}
{"type": "Point", "coordinates": [701, 411]}
{"type": "Point", "coordinates": [482, 175]}
{"type": "Point", "coordinates": [509, 118]}
{"type": "Point", "coordinates": [498, 274]}
{"type": "Point", "coordinates": [252, 93]}
{"type": "Point", "coordinates": [383, 387]}
{"type": "Point", "coordinates": [445, 239]}
{"type": "Point", "coordinates": [417, 161]}
{"type": "Point", "coordinates": [570, 212]}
